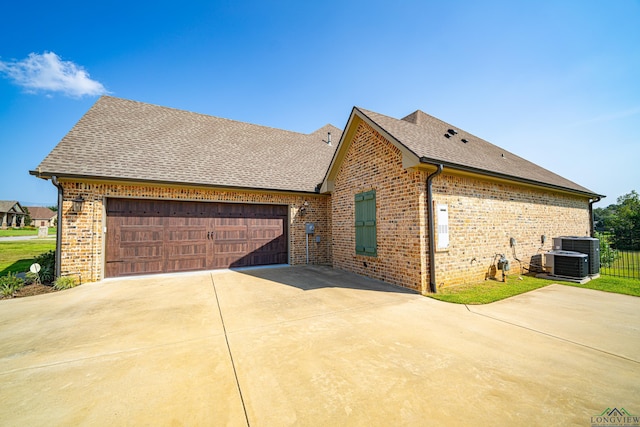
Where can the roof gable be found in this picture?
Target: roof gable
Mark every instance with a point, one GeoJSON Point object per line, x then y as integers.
{"type": "Point", "coordinates": [120, 139]}
{"type": "Point", "coordinates": [11, 206]}
{"type": "Point", "coordinates": [425, 140]}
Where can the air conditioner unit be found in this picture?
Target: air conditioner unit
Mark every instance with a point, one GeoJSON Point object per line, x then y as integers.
{"type": "Point", "coordinates": [585, 245]}
{"type": "Point", "coordinates": [567, 263]}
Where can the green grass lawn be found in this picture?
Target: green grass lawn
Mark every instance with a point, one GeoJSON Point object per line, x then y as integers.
{"type": "Point", "coordinates": [618, 285]}
{"type": "Point", "coordinates": [10, 232]}
{"type": "Point", "coordinates": [17, 256]}
{"type": "Point", "coordinates": [491, 290]}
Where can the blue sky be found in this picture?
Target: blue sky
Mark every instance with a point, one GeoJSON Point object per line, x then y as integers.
{"type": "Point", "coordinates": [556, 82]}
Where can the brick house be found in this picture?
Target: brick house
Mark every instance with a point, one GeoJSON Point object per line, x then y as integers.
{"type": "Point", "coordinates": [145, 189]}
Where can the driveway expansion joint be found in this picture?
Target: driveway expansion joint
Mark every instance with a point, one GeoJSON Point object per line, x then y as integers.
{"type": "Point", "coordinates": [233, 364]}
{"type": "Point", "coordinates": [557, 337]}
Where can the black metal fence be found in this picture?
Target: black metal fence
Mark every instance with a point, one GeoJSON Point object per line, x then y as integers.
{"type": "Point", "coordinates": [619, 255]}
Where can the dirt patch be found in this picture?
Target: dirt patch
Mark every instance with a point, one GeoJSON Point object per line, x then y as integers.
{"type": "Point", "coordinates": [33, 289]}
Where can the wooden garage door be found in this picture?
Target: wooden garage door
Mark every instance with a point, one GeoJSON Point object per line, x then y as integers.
{"type": "Point", "coordinates": [150, 236]}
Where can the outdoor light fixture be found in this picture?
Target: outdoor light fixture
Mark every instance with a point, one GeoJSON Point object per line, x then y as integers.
{"type": "Point", "coordinates": [77, 204]}
{"type": "Point", "coordinates": [303, 209]}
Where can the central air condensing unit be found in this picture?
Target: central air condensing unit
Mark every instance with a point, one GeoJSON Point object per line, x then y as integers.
{"type": "Point", "coordinates": [567, 263]}
{"type": "Point", "coordinates": [585, 245]}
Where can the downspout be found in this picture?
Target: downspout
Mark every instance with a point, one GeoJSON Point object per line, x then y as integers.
{"type": "Point", "coordinates": [432, 238]}
{"type": "Point", "coordinates": [54, 181]}
{"type": "Point", "coordinates": [591, 221]}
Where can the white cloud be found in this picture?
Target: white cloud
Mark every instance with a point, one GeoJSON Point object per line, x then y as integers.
{"type": "Point", "coordinates": [49, 73]}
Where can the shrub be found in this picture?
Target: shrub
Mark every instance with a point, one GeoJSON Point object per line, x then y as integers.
{"type": "Point", "coordinates": [47, 263]}
{"type": "Point", "coordinates": [607, 254]}
{"type": "Point", "coordinates": [10, 284]}
{"type": "Point", "coordinates": [65, 282]}
{"type": "Point", "coordinates": [31, 278]}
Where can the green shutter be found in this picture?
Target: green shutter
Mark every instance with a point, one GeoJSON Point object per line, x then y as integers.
{"type": "Point", "coordinates": [365, 223]}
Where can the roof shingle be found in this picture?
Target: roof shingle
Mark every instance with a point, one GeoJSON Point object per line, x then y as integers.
{"type": "Point", "coordinates": [129, 140]}
{"type": "Point", "coordinates": [39, 212]}
{"type": "Point", "coordinates": [424, 135]}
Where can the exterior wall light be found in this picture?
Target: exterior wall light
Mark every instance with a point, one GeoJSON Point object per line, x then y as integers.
{"type": "Point", "coordinates": [77, 204]}
{"type": "Point", "coordinates": [303, 209]}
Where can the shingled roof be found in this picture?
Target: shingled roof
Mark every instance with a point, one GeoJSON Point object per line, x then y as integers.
{"type": "Point", "coordinates": [10, 206]}
{"type": "Point", "coordinates": [121, 139]}
{"type": "Point", "coordinates": [423, 137]}
{"type": "Point", "coordinates": [39, 212]}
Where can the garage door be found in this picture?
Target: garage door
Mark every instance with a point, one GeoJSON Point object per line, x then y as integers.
{"type": "Point", "coordinates": [150, 236]}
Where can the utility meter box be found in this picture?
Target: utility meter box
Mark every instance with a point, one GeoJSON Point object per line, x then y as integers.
{"type": "Point", "coordinates": [310, 228]}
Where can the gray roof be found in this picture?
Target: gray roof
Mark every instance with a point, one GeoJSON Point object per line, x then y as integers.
{"type": "Point", "coordinates": [128, 140]}
{"type": "Point", "coordinates": [423, 135]}
{"type": "Point", "coordinates": [7, 205]}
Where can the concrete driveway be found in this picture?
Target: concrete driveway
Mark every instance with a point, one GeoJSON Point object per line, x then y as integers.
{"type": "Point", "coordinates": [312, 346]}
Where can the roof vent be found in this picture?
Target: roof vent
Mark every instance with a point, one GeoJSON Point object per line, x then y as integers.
{"type": "Point", "coordinates": [452, 132]}
{"type": "Point", "coordinates": [329, 138]}
{"type": "Point", "coordinates": [465, 140]}
{"type": "Point", "coordinates": [446, 135]}
{"type": "Point", "coordinates": [502, 155]}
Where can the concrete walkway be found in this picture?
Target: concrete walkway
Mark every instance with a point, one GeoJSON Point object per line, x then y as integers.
{"type": "Point", "coordinates": [312, 346]}
{"type": "Point", "coordinates": [18, 238]}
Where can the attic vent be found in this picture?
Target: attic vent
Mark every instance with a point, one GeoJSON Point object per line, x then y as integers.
{"type": "Point", "coordinates": [452, 132]}
{"type": "Point", "coordinates": [465, 140]}
{"type": "Point", "coordinates": [446, 135]}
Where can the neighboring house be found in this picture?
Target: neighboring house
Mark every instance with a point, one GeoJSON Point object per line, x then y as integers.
{"type": "Point", "coordinates": [42, 217]}
{"type": "Point", "coordinates": [149, 189]}
{"type": "Point", "coordinates": [12, 214]}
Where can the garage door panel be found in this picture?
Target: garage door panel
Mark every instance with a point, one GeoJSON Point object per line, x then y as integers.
{"type": "Point", "coordinates": [137, 251]}
{"type": "Point", "coordinates": [232, 248]}
{"type": "Point", "coordinates": [229, 210]}
{"type": "Point", "coordinates": [146, 237]}
{"type": "Point", "coordinates": [136, 208]}
{"type": "Point", "coordinates": [129, 268]}
{"type": "Point", "coordinates": [140, 235]}
{"type": "Point", "coordinates": [276, 245]}
{"type": "Point", "coordinates": [177, 264]}
{"type": "Point", "coordinates": [268, 258]}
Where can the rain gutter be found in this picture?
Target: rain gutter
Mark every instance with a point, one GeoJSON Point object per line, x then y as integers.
{"type": "Point", "coordinates": [432, 237]}
{"type": "Point", "coordinates": [54, 181]}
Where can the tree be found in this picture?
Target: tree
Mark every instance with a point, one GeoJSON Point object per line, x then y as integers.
{"type": "Point", "coordinates": [53, 208]}
{"type": "Point", "coordinates": [626, 223]}
{"type": "Point", "coordinates": [27, 216]}
{"type": "Point", "coordinates": [621, 221]}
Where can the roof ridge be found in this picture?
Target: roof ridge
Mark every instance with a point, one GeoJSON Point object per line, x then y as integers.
{"type": "Point", "coordinates": [195, 113]}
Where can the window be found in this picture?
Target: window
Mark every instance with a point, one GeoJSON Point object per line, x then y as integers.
{"type": "Point", "coordinates": [366, 243]}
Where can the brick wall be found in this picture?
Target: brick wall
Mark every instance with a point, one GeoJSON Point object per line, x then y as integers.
{"type": "Point", "coordinates": [483, 215]}
{"type": "Point", "coordinates": [82, 233]}
{"type": "Point", "coordinates": [371, 163]}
